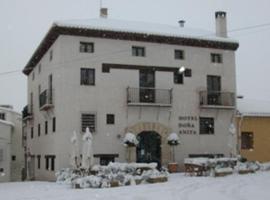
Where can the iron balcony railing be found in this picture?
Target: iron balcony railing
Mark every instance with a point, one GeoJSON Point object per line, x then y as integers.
{"type": "Point", "coordinates": [217, 99]}
{"type": "Point", "coordinates": [149, 96]}
{"type": "Point", "coordinates": [46, 99]}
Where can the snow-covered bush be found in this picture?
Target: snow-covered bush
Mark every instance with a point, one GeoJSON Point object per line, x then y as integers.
{"type": "Point", "coordinates": [173, 139]}
{"type": "Point", "coordinates": [119, 174]}
{"type": "Point", "coordinates": [265, 166]}
{"type": "Point", "coordinates": [130, 140]}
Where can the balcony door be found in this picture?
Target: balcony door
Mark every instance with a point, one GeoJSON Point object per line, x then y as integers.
{"type": "Point", "coordinates": [147, 86]}
{"type": "Point", "coordinates": [214, 90]}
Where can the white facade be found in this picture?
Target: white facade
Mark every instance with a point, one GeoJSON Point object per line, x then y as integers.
{"type": "Point", "coordinates": [109, 96]}
{"type": "Point", "coordinates": [11, 151]}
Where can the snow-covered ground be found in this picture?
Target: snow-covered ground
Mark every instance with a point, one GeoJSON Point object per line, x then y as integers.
{"type": "Point", "coordinates": [234, 187]}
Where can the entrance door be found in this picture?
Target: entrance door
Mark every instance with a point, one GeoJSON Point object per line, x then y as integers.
{"type": "Point", "coordinates": [148, 149]}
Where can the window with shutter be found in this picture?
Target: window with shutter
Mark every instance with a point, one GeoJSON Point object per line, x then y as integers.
{"type": "Point", "coordinates": [88, 120]}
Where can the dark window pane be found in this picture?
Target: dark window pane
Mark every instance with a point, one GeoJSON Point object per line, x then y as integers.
{"type": "Point", "coordinates": [138, 51]}
{"type": "Point", "coordinates": [216, 58]}
{"type": "Point", "coordinates": [246, 140]}
{"type": "Point", "coordinates": [54, 125]}
{"type": "Point", "coordinates": [188, 73]}
{"type": "Point", "coordinates": [179, 54]}
{"type": "Point", "coordinates": [207, 125]}
{"type": "Point", "coordinates": [110, 119]}
{"type": "Point", "coordinates": [178, 78]}
{"type": "Point", "coordinates": [2, 116]}
{"type": "Point", "coordinates": [46, 127]}
{"type": "Point", "coordinates": [32, 132]}
{"type": "Point", "coordinates": [38, 129]}
{"type": "Point", "coordinates": [86, 47]}
{"type": "Point", "coordinates": [87, 76]}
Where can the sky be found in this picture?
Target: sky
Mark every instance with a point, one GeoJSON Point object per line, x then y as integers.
{"type": "Point", "coordinates": [24, 23]}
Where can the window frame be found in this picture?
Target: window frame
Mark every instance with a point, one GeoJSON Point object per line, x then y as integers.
{"type": "Point", "coordinates": [84, 47]}
{"type": "Point", "coordinates": [249, 138]}
{"type": "Point", "coordinates": [2, 116]}
{"type": "Point", "coordinates": [110, 119]}
{"type": "Point", "coordinates": [46, 128]}
{"type": "Point", "coordinates": [85, 76]}
{"type": "Point", "coordinates": [138, 51]}
{"type": "Point", "coordinates": [216, 58]}
{"type": "Point", "coordinates": [179, 54]}
{"type": "Point", "coordinates": [93, 128]}
{"type": "Point", "coordinates": [207, 130]}
{"type": "Point", "coordinates": [53, 124]}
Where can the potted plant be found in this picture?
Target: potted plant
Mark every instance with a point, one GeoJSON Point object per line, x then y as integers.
{"type": "Point", "coordinates": [130, 141]}
{"type": "Point", "coordinates": [173, 141]}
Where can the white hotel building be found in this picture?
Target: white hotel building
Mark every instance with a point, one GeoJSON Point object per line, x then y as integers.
{"type": "Point", "coordinates": [120, 76]}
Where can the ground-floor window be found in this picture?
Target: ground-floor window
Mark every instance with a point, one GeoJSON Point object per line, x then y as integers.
{"type": "Point", "coordinates": [38, 161]}
{"type": "Point", "coordinates": [50, 162]}
{"type": "Point", "coordinates": [247, 140]}
{"type": "Point", "coordinates": [105, 159]}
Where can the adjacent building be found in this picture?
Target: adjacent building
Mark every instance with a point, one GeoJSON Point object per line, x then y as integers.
{"type": "Point", "coordinates": [11, 151]}
{"type": "Point", "coordinates": [118, 76]}
{"type": "Point", "coordinates": [253, 122]}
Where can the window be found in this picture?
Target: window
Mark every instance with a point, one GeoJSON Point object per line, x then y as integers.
{"type": "Point", "coordinates": [178, 78]}
{"type": "Point", "coordinates": [138, 51]}
{"type": "Point", "coordinates": [247, 140]}
{"type": "Point", "coordinates": [54, 124]}
{"type": "Point", "coordinates": [188, 73]}
{"type": "Point", "coordinates": [88, 120]}
{"type": "Point", "coordinates": [46, 162]}
{"type": "Point", "coordinates": [32, 132]}
{"type": "Point", "coordinates": [33, 75]}
{"type": "Point", "coordinates": [39, 68]}
{"type": "Point", "coordinates": [46, 127]}
{"type": "Point", "coordinates": [52, 163]}
{"type": "Point", "coordinates": [86, 47]}
{"type": "Point", "coordinates": [216, 58]}
{"type": "Point", "coordinates": [110, 119]}
{"type": "Point", "coordinates": [13, 158]}
{"type": "Point", "coordinates": [2, 116]}
{"type": "Point", "coordinates": [38, 130]}
{"type": "Point", "coordinates": [50, 159]}
{"type": "Point", "coordinates": [51, 55]}
{"type": "Point", "coordinates": [207, 125]}
{"type": "Point", "coordinates": [87, 76]}
{"type": "Point", "coordinates": [38, 161]}
{"type": "Point", "coordinates": [105, 160]}
{"type": "Point", "coordinates": [179, 54]}
{"type": "Point", "coordinates": [214, 90]}
{"type": "Point", "coordinates": [1, 155]}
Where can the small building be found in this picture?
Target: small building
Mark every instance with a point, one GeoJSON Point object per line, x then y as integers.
{"type": "Point", "coordinates": [11, 151]}
{"type": "Point", "coordinates": [117, 76]}
{"type": "Point", "coordinates": [253, 122]}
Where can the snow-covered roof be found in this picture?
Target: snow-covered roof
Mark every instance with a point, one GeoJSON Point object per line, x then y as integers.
{"type": "Point", "coordinates": [251, 107]}
{"type": "Point", "coordinates": [141, 27]}
{"type": "Point", "coordinates": [7, 122]}
{"type": "Point", "coordinates": [9, 110]}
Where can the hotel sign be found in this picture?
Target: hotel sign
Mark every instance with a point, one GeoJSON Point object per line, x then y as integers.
{"type": "Point", "coordinates": [187, 124]}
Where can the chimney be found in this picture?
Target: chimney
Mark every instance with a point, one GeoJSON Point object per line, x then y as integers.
{"type": "Point", "coordinates": [181, 23]}
{"type": "Point", "coordinates": [103, 13]}
{"type": "Point", "coordinates": [221, 24]}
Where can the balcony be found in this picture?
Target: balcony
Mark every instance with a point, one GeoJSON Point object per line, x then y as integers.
{"type": "Point", "coordinates": [149, 97]}
{"type": "Point", "coordinates": [27, 113]}
{"type": "Point", "coordinates": [46, 100]}
{"type": "Point", "coordinates": [217, 99]}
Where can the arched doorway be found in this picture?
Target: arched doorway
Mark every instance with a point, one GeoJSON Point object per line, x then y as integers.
{"type": "Point", "coordinates": [149, 149]}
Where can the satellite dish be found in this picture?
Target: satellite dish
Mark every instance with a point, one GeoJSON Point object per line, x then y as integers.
{"type": "Point", "coordinates": [181, 70]}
